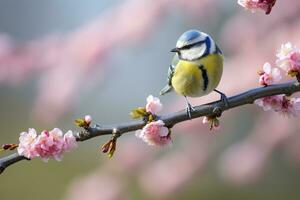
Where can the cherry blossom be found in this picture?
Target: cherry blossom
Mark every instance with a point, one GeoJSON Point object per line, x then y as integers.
{"type": "Point", "coordinates": [88, 119]}
{"type": "Point", "coordinates": [269, 75]}
{"type": "Point", "coordinates": [49, 144]}
{"type": "Point", "coordinates": [288, 58]}
{"type": "Point", "coordinates": [289, 107]}
{"type": "Point", "coordinates": [155, 133]}
{"type": "Point", "coordinates": [270, 102]}
{"type": "Point", "coordinates": [153, 105]}
{"type": "Point", "coordinates": [27, 144]}
{"type": "Point", "coordinates": [282, 104]}
{"type": "Point", "coordinates": [253, 5]}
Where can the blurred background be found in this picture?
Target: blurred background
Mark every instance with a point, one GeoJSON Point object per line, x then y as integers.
{"type": "Point", "coordinates": [63, 59]}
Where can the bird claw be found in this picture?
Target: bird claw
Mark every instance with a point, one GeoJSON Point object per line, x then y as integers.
{"type": "Point", "coordinates": [189, 110]}
{"type": "Point", "coordinates": [224, 98]}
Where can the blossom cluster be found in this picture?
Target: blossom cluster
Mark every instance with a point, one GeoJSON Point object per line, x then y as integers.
{"type": "Point", "coordinates": [253, 5]}
{"type": "Point", "coordinates": [282, 104]}
{"type": "Point", "coordinates": [49, 144]}
{"type": "Point", "coordinates": [154, 132]}
{"type": "Point", "coordinates": [288, 59]}
{"type": "Point", "coordinates": [269, 75]}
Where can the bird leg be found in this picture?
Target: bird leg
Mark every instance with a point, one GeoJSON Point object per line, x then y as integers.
{"type": "Point", "coordinates": [224, 98]}
{"type": "Point", "coordinates": [189, 108]}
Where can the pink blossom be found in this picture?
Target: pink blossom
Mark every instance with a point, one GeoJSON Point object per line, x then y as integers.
{"type": "Point", "coordinates": [285, 51]}
{"type": "Point", "coordinates": [270, 102]}
{"type": "Point", "coordinates": [289, 107]}
{"type": "Point", "coordinates": [155, 133]}
{"type": "Point", "coordinates": [288, 58]}
{"type": "Point", "coordinates": [69, 141]}
{"type": "Point", "coordinates": [205, 120]}
{"type": "Point", "coordinates": [252, 5]}
{"type": "Point", "coordinates": [269, 75]}
{"type": "Point", "coordinates": [54, 144]}
{"type": "Point", "coordinates": [27, 144]}
{"type": "Point", "coordinates": [153, 105]}
{"type": "Point", "coordinates": [88, 119]}
{"type": "Point", "coordinates": [49, 144]}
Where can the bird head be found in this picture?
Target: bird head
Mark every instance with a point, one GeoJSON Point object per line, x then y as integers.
{"type": "Point", "coordinates": [192, 45]}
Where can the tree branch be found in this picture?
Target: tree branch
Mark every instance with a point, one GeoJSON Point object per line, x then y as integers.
{"type": "Point", "coordinates": [171, 119]}
{"type": "Point", "coordinates": [9, 160]}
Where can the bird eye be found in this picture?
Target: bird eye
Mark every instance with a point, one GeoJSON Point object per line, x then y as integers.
{"type": "Point", "coordinates": [188, 46]}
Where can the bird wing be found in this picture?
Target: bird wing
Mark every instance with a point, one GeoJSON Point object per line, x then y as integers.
{"type": "Point", "coordinates": [171, 70]}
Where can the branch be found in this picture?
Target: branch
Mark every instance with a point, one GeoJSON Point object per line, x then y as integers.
{"type": "Point", "coordinates": [171, 119]}
{"type": "Point", "coordinates": [9, 160]}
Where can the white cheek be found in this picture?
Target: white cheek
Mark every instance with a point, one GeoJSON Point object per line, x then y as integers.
{"type": "Point", "coordinates": [193, 53]}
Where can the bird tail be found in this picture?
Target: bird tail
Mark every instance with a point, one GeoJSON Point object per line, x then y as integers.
{"type": "Point", "coordinates": [165, 90]}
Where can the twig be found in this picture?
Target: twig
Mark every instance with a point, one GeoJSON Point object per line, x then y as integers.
{"type": "Point", "coordinates": [171, 119]}
{"type": "Point", "coordinates": [9, 160]}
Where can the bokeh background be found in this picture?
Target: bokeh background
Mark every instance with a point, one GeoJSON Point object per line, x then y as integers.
{"type": "Point", "coordinates": [62, 59]}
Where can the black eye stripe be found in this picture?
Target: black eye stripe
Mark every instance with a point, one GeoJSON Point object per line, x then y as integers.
{"type": "Point", "coordinates": [191, 45]}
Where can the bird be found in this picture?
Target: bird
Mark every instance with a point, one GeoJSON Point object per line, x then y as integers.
{"type": "Point", "coordinates": [196, 68]}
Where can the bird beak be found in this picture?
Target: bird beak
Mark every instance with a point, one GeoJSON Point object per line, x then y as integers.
{"type": "Point", "coordinates": [175, 50]}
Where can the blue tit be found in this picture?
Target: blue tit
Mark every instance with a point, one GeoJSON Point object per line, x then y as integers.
{"type": "Point", "coordinates": [196, 68]}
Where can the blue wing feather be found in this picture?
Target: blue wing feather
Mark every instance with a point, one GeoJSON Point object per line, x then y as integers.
{"type": "Point", "coordinates": [171, 70]}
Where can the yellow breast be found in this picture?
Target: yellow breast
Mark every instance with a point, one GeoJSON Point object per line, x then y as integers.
{"type": "Point", "coordinates": [198, 78]}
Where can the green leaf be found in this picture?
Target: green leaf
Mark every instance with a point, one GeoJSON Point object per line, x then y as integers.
{"type": "Point", "coordinates": [138, 113]}
{"type": "Point", "coordinates": [80, 122]}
